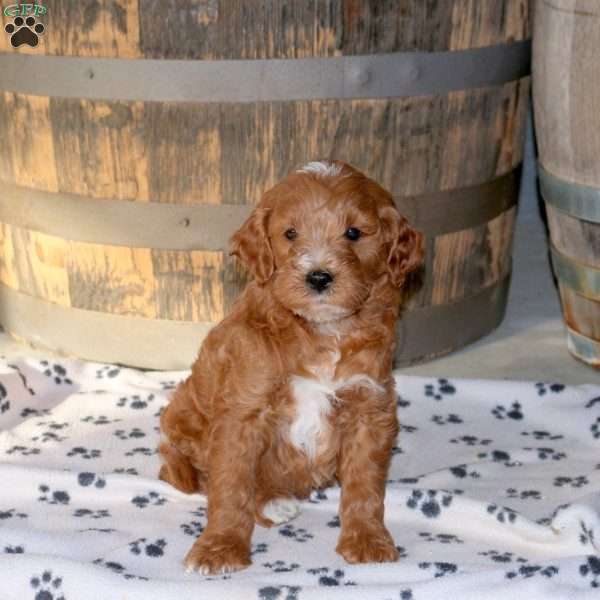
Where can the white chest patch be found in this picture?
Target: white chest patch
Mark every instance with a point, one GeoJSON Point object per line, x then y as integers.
{"type": "Point", "coordinates": [314, 400]}
{"type": "Point", "coordinates": [313, 405]}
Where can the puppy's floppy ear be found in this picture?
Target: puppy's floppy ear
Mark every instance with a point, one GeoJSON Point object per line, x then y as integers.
{"type": "Point", "coordinates": [250, 243]}
{"type": "Point", "coordinates": [406, 246]}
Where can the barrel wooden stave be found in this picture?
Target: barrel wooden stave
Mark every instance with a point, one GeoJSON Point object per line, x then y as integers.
{"type": "Point", "coordinates": [567, 116]}
{"type": "Point", "coordinates": [187, 153]}
{"type": "Point", "coordinates": [229, 29]}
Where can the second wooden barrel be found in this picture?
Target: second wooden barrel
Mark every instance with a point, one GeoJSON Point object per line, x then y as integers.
{"type": "Point", "coordinates": [137, 135]}
{"type": "Point", "coordinates": [567, 119]}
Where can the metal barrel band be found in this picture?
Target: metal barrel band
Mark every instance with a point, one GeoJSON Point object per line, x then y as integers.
{"type": "Point", "coordinates": [432, 331]}
{"type": "Point", "coordinates": [208, 226]}
{"type": "Point", "coordinates": [105, 337]}
{"type": "Point", "coordinates": [583, 347]}
{"type": "Point", "coordinates": [583, 279]}
{"type": "Point", "coordinates": [359, 76]}
{"type": "Point", "coordinates": [577, 200]}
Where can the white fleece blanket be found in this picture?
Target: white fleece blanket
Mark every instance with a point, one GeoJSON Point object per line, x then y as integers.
{"type": "Point", "coordinates": [494, 492]}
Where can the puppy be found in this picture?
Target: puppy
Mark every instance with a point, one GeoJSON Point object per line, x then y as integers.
{"type": "Point", "coordinates": [293, 389]}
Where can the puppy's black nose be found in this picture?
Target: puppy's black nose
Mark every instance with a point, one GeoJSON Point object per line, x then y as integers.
{"type": "Point", "coordinates": [319, 280]}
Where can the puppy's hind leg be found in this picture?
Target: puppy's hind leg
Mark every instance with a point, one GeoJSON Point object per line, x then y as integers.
{"type": "Point", "coordinates": [179, 471]}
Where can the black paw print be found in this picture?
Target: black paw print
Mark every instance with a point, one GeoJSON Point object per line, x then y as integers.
{"type": "Point", "coordinates": [524, 494]}
{"type": "Point", "coordinates": [47, 587]}
{"type": "Point", "coordinates": [317, 496]}
{"type": "Point", "coordinates": [92, 514]}
{"type": "Point", "coordinates": [133, 433]}
{"type": "Point", "coordinates": [525, 571]}
{"type": "Point", "coordinates": [118, 568]}
{"type": "Point", "coordinates": [23, 450]}
{"type": "Point", "coordinates": [429, 502]}
{"type": "Point", "coordinates": [461, 471]}
{"type": "Point", "coordinates": [450, 419]}
{"type": "Point", "coordinates": [500, 456]}
{"type": "Point", "coordinates": [56, 497]}
{"type": "Point", "coordinates": [11, 513]}
{"type": "Point", "coordinates": [335, 522]}
{"type": "Point", "coordinates": [279, 592]}
{"type": "Point", "coordinates": [169, 385]}
{"type": "Point", "coordinates": [440, 568]}
{"type": "Point", "coordinates": [503, 514]}
{"type": "Point", "coordinates": [280, 566]}
{"type": "Point", "coordinates": [14, 549]}
{"type": "Point", "coordinates": [153, 549]}
{"type": "Point", "coordinates": [297, 534]}
{"type": "Point", "coordinates": [586, 534]}
{"type": "Point", "coordinates": [126, 471]}
{"type": "Point", "coordinates": [329, 577]}
{"type": "Point", "coordinates": [471, 440]}
{"type": "Point", "coordinates": [444, 388]}
{"type": "Point", "coordinates": [4, 402]}
{"type": "Point", "coordinates": [402, 402]}
{"type": "Point", "coordinates": [56, 372]}
{"type": "Point", "coordinates": [502, 557]}
{"type": "Point", "coordinates": [591, 568]}
{"type": "Point", "coordinates": [99, 420]}
{"type": "Point", "coordinates": [543, 435]}
{"type": "Point", "coordinates": [595, 428]}
{"type": "Point", "coordinates": [88, 454]}
{"type": "Point", "coordinates": [440, 538]}
{"type": "Point", "coordinates": [48, 436]}
{"type": "Point", "coordinates": [574, 482]}
{"type": "Point", "coordinates": [501, 412]}
{"type": "Point", "coordinates": [260, 548]}
{"type": "Point", "coordinates": [24, 31]}
{"type": "Point", "coordinates": [193, 528]}
{"type": "Point", "coordinates": [543, 388]}
{"type": "Point", "coordinates": [547, 453]}
{"type": "Point", "coordinates": [136, 402]}
{"type": "Point", "coordinates": [34, 412]}
{"type": "Point", "coordinates": [405, 428]}
{"type": "Point", "coordinates": [142, 451]}
{"type": "Point", "coordinates": [86, 479]}
{"type": "Point", "coordinates": [150, 499]}
{"type": "Point", "coordinates": [107, 372]}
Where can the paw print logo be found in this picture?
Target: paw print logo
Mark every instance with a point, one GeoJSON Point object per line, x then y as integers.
{"type": "Point", "coordinates": [24, 31]}
{"type": "Point", "coordinates": [46, 586]}
{"type": "Point", "coordinates": [514, 412]}
{"type": "Point", "coordinates": [429, 502]}
{"type": "Point", "coordinates": [296, 534]}
{"type": "Point", "coordinates": [439, 390]}
{"type": "Point", "coordinates": [153, 549]}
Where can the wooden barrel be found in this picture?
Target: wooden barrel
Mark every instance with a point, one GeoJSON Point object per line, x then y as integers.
{"type": "Point", "coordinates": [567, 119]}
{"type": "Point", "coordinates": [137, 136]}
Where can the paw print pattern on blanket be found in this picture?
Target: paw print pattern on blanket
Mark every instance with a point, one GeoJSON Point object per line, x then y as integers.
{"type": "Point", "coordinates": [510, 450]}
{"type": "Point", "coordinates": [56, 372]}
{"type": "Point", "coordinates": [430, 503]}
{"type": "Point", "coordinates": [47, 586]}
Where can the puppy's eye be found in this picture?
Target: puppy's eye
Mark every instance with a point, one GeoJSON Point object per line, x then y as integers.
{"type": "Point", "coordinates": [291, 234]}
{"type": "Point", "coordinates": [352, 233]}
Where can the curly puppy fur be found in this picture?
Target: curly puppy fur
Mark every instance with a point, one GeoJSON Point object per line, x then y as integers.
{"type": "Point", "coordinates": [293, 389]}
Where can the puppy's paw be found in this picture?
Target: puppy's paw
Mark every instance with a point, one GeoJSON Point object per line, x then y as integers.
{"type": "Point", "coordinates": [364, 546]}
{"type": "Point", "coordinates": [217, 555]}
{"type": "Point", "coordinates": [279, 511]}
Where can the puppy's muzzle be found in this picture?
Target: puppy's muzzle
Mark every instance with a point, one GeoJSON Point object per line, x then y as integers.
{"type": "Point", "coordinates": [319, 280]}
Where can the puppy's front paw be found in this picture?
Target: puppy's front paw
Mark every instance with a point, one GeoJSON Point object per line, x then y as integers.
{"type": "Point", "coordinates": [364, 546]}
{"type": "Point", "coordinates": [215, 555]}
